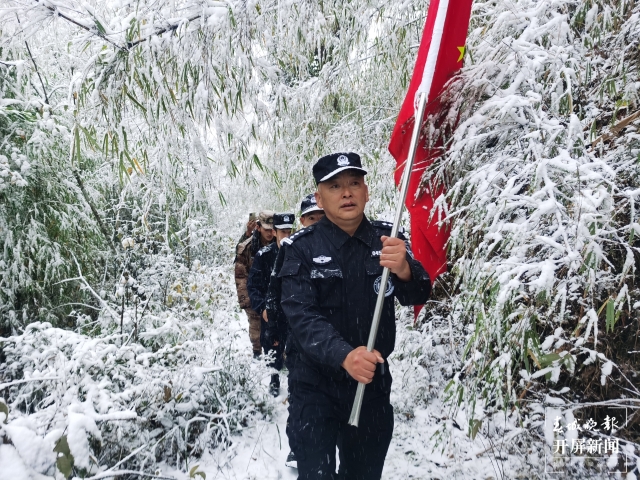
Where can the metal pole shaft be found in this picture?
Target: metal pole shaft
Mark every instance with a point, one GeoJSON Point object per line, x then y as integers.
{"type": "Point", "coordinates": [404, 187]}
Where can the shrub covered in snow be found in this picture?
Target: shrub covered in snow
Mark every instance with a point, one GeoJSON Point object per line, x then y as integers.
{"type": "Point", "coordinates": [543, 189]}
{"type": "Point", "coordinates": [106, 402]}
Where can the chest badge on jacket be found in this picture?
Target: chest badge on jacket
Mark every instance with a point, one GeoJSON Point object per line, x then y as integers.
{"type": "Point", "coordinates": [321, 260]}
{"type": "Point", "coordinates": [376, 286]}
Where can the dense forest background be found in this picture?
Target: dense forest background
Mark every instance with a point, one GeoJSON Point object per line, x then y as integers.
{"type": "Point", "coordinates": [135, 137]}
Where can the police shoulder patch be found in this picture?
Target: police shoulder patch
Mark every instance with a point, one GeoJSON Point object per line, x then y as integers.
{"type": "Point", "coordinates": [383, 225]}
{"type": "Point", "coordinates": [300, 233]}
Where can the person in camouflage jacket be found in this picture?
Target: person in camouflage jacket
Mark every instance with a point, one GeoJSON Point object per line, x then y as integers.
{"type": "Point", "coordinates": [246, 251]}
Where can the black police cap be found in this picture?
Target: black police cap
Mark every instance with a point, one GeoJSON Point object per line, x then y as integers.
{"type": "Point", "coordinates": [331, 165]}
{"type": "Point", "coordinates": [283, 220]}
{"type": "Point", "coordinates": [309, 205]}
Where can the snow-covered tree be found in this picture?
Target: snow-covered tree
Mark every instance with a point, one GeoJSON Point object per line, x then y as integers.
{"type": "Point", "coordinates": [135, 136]}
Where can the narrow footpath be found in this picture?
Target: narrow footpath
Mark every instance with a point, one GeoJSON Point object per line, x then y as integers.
{"type": "Point", "coordinates": [260, 450]}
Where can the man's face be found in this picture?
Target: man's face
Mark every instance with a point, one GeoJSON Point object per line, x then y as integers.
{"type": "Point", "coordinates": [311, 218]}
{"type": "Point", "coordinates": [343, 197]}
{"type": "Point", "coordinates": [281, 234]}
{"type": "Point", "coordinates": [265, 233]}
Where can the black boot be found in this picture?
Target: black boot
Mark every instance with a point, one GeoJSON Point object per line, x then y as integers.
{"type": "Point", "coordinates": [274, 385]}
{"type": "Point", "coordinates": [291, 461]}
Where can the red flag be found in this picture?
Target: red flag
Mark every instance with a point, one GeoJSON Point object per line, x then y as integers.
{"type": "Point", "coordinates": [440, 56]}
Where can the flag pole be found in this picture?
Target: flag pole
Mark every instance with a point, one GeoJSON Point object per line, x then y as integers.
{"type": "Point", "coordinates": [413, 147]}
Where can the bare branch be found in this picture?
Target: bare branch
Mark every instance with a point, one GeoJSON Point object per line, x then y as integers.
{"type": "Point", "coordinates": [95, 31]}
{"type": "Point", "coordinates": [617, 128]}
{"type": "Point", "coordinates": [130, 45]}
{"type": "Point", "coordinates": [110, 474]}
{"type": "Point", "coordinates": [95, 213]}
{"type": "Point", "coordinates": [170, 28]}
{"type": "Point", "coordinates": [81, 278]}
{"type": "Point", "coordinates": [18, 382]}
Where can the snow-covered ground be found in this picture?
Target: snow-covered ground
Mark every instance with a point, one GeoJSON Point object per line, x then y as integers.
{"type": "Point", "coordinates": [260, 450]}
{"type": "Point", "coordinates": [246, 436]}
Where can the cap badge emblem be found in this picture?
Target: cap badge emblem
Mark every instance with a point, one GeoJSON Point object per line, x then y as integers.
{"type": "Point", "coordinates": [343, 161]}
{"type": "Point", "coordinates": [286, 218]}
{"type": "Point", "coordinates": [322, 259]}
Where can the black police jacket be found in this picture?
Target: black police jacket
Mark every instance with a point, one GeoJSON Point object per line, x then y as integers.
{"type": "Point", "coordinates": [278, 324]}
{"type": "Point", "coordinates": [330, 283]}
{"type": "Point", "coordinates": [278, 327]}
{"type": "Point", "coordinates": [260, 275]}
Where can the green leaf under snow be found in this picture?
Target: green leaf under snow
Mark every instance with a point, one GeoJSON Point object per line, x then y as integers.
{"type": "Point", "coordinates": [4, 408]}
{"type": "Point", "coordinates": [194, 471]}
{"type": "Point", "coordinates": [610, 315]}
{"type": "Point", "coordinates": [474, 426]}
{"type": "Point", "coordinates": [65, 465]}
{"type": "Point", "coordinates": [64, 462]}
{"type": "Point", "coordinates": [548, 359]}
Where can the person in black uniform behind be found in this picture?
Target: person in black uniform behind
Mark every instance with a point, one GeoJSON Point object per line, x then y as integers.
{"type": "Point", "coordinates": [278, 325]}
{"type": "Point", "coordinates": [277, 331]}
{"type": "Point", "coordinates": [258, 283]}
{"type": "Point", "coordinates": [330, 280]}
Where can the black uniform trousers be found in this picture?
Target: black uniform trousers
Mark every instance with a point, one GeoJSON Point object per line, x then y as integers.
{"type": "Point", "coordinates": [267, 346]}
{"type": "Point", "coordinates": [318, 420]}
{"type": "Point", "coordinates": [290, 363]}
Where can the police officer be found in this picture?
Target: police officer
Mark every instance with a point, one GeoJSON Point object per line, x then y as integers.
{"type": "Point", "coordinates": [331, 276]}
{"type": "Point", "coordinates": [258, 283]}
{"type": "Point", "coordinates": [277, 327]}
{"type": "Point", "coordinates": [262, 236]}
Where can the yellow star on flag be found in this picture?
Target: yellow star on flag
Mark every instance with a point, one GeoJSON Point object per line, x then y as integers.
{"type": "Point", "coordinates": [461, 50]}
